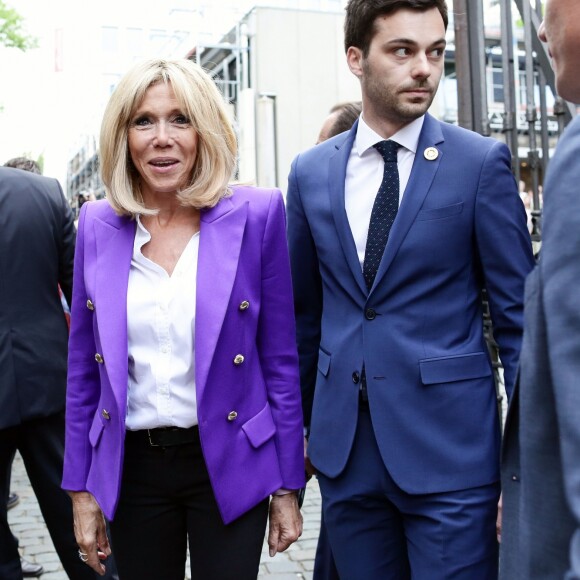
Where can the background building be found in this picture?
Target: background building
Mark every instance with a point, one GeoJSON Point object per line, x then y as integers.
{"type": "Point", "coordinates": [281, 86]}
{"type": "Point", "coordinates": [280, 63]}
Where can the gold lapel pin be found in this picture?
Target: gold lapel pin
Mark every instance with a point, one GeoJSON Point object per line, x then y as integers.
{"type": "Point", "coordinates": [431, 153]}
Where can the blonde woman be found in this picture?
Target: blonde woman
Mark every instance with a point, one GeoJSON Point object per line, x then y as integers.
{"type": "Point", "coordinates": [183, 403]}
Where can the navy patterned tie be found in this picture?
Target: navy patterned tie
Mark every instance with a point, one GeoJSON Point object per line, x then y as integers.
{"type": "Point", "coordinates": [384, 211]}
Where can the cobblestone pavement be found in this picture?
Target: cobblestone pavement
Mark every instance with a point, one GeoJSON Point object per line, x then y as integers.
{"type": "Point", "coordinates": [26, 522]}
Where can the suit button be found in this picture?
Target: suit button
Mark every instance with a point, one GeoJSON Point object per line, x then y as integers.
{"type": "Point", "coordinates": [244, 305]}
{"type": "Point", "coordinates": [355, 377]}
{"type": "Point", "coordinates": [515, 478]}
{"type": "Point", "coordinates": [232, 416]}
{"type": "Point", "coordinates": [105, 414]}
{"type": "Point", "coordinates": [90, 305]}
{"type": "Point", "coordinates": [99, 359]}
{"type": "Point", "coordinates": [370, 314]}
{"type": "Point", "coordinates": [239, 359]}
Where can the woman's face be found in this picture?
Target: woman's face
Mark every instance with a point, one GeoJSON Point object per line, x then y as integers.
{"type": "Point", "coordinates": [162, 142]}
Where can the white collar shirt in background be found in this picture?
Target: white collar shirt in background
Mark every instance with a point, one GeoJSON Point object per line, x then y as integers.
{"type": "Point", "coordinates": [364, 174]}
{"type": "Point", "coordinates": [161, 339]}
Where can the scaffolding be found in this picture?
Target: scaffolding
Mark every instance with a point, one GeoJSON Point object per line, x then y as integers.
{"type": "Point", "coordinates": [471, 56]}
{"type": "Point", "coordinates": [471, 59]}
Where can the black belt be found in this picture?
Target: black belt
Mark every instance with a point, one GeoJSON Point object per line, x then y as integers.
{"type": "Point", "coordinates": [166, 436]}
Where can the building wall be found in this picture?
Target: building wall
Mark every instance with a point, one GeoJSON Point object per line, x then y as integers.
{"type": "Point", "coordinates": [297, 59]}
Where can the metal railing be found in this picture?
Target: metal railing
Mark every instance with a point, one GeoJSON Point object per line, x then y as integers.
{"type": "Point", "coordinates": [473, 110]}
{"type": "Point", "coordinates": [536, 136]}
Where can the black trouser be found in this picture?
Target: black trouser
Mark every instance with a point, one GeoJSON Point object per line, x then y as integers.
{"type": "Point", "coordinates": [41, 445]}
{"type": "Point", "coordinates": [166, 497]}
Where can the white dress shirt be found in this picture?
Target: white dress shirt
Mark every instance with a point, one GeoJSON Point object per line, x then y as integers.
{"type": "Point", "coordinates": [364, 174]}
{"type": "Point", "coordinates": [161, 339]}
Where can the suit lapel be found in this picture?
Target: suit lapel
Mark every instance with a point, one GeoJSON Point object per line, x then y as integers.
{"type": "Point", "coordinates": [221, 233]}
{"type": "Point", "coordinates": [336, 185]}
{"type": "Point", "coordinates": [420, 181]}
{"type": "Point", "coordinates": [114, 237]}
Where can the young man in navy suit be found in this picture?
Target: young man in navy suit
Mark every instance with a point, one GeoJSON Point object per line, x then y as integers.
{"type": "Point", "coordinates": [395, 228]}
{"type": "Point", "coordinates": [540, 539]}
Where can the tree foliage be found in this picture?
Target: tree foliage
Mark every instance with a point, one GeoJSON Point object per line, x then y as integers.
{"type": "Point", "coordinates": [12, 33]}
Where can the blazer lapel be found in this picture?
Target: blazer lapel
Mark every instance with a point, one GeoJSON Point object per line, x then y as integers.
{"type": "Point", "coordinates": [114, 239]}
{"type": "Point", "coordinates": [336, 185]}
{"type": "Point", "coordinates": [221, 233]}
{"type": "Point", "coordinates": [422, 174]}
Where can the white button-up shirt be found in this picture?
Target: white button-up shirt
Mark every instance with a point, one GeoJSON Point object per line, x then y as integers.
{"type": "Point", "coordinates": [161, 339]}
{"type": "Point", "coordinates": [364, 175]}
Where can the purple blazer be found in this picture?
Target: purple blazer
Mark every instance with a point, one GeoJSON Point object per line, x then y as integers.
{"type": "Point", "coordinates": [242, 257]}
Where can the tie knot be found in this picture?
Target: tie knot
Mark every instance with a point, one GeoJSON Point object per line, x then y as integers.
{"type": "Point", "coordinates": [388, 149]}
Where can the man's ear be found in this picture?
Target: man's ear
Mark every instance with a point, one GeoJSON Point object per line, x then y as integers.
{"type": "Point", "coordinates": [354, 58]}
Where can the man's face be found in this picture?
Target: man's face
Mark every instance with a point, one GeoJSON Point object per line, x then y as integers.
{"type": "Point", "coordinates": [561, 30]}
{"type": "Point", "coordinates": [401, 73]}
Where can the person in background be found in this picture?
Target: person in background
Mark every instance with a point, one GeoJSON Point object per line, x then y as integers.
{"type": "Point", "coordinates": [395, 228]}
{"type": "Point", "coordinates": [341, 118]}
{"type": "Point", "coordinates": [540, 535]}
{"type": "Point", "coordinates": [25, 164]}
{"type": "Point", "coordinates": [183, 398]}
{"type": "Point", "coordinates": [36, 255]}
{"type": "Point", "coordinates": [29, 569]}
{"type": "Point", "coordinates": [347, 116]}
{"type": "Point", "coordinates": [31, 165]}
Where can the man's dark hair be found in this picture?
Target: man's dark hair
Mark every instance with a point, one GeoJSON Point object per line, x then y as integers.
{"type": "Point", "coordinates": [359, 25]}
{"type": "Point", "coordinates": [24, 163]}
{"type": "Point", "coordinates": [349, 113]}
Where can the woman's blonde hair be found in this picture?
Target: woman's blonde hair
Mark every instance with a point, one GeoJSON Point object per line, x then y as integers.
{"type": "Point", "coordinates": [202, 103]}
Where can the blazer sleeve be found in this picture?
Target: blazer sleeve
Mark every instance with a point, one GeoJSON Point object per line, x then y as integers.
{"type": "Point", "coordinates": [307, 284]}
{"type": "Point", "coordinates": [83, 374]}
{"type": "Point", "coordinates": [505, 253]}
{"type": "Point", "coordinates": [67, 245]}
{"type": "Point", "coordinates": [276, 342]}
{"type": "Point", "coordinates": [560, 270]}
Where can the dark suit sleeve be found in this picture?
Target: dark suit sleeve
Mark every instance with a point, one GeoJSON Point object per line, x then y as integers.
{"type": "Point", "coordinates": [307, 291]}
{"type": "Point", "coordinates": [67, 246]}
{"type": "Point", "coordinates": [560, 270]}
{"type": "Point", "coordinates": [505, 253]}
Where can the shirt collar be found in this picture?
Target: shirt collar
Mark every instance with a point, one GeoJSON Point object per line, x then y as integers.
{"type": "Point", "coordinates": [142, 236]}
{"type": "Point", "coordinates": [407, 137]}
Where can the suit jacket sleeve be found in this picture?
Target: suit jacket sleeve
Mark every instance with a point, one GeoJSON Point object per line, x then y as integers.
{"type": "Point", "coordinates": [83, 374]}
{"type": "Point", "coordinates": [560, 271]}
{"type": "Point", "coordinates": [307, 291]}
{"type": "Point", "coordinates": [505, 252]}
{"type": "Point", "coordinates": [67, 247]}
{"type": "Point", "coordinates": [276, 341]}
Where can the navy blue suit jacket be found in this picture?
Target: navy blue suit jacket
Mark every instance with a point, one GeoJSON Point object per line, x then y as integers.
{"type": "Point", "coordinates": [461, 226]}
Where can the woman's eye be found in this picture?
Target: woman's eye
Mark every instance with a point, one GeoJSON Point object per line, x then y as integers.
{"type": "Point", "coordinates": [181, 120]}
{"type": "Point", "coordinates": [141, 122]}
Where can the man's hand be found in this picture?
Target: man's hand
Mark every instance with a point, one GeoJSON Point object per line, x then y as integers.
{"type": "Point", "coordinates": [285, 522]}
{"type": "Point", "coordinates": [90, 530]}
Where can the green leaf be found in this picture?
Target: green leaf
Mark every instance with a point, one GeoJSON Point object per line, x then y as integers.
{"type": "Point", "coordinates": [12, 33]}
